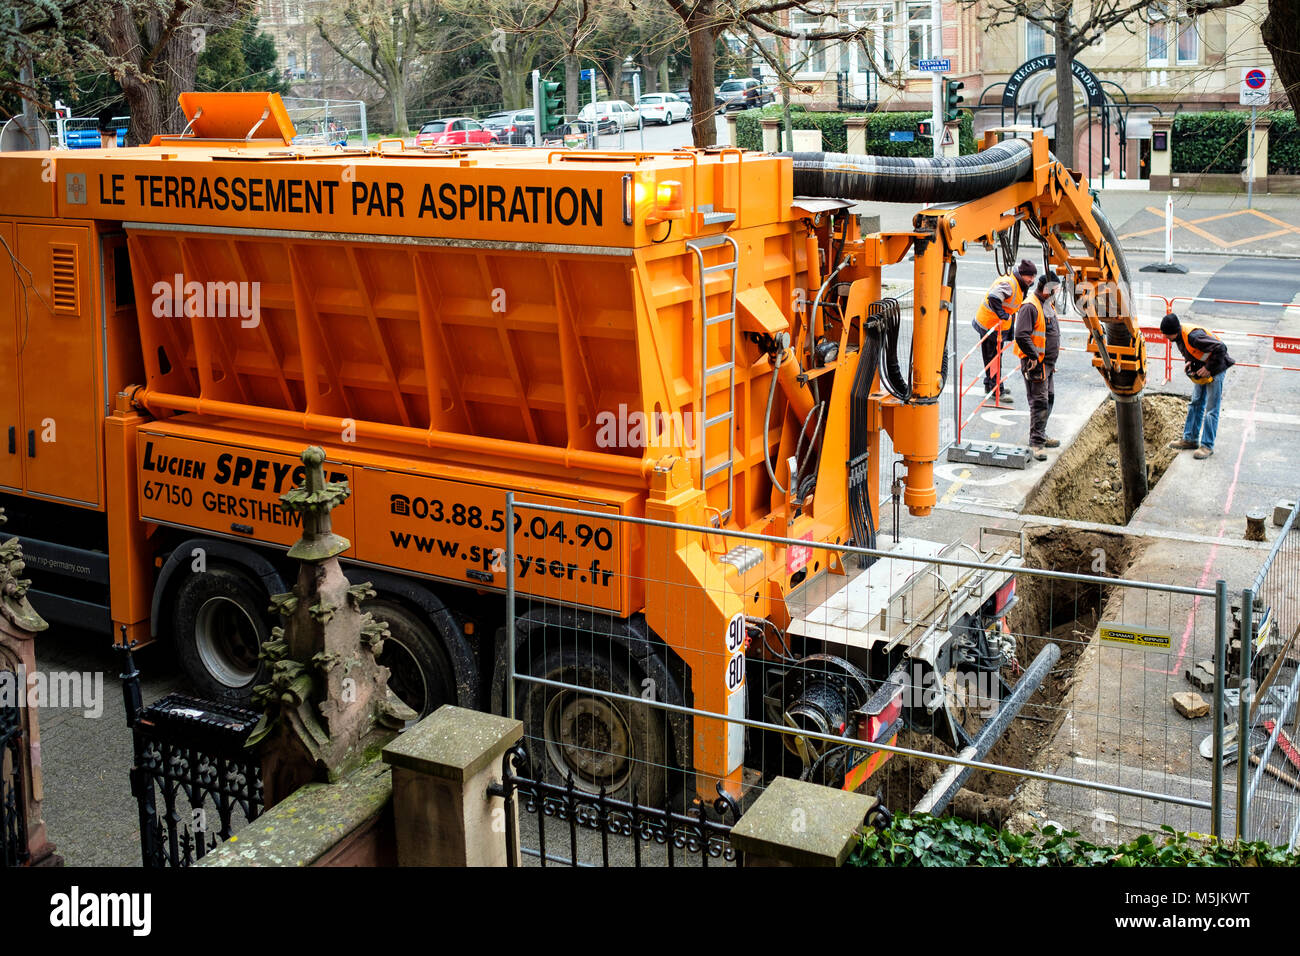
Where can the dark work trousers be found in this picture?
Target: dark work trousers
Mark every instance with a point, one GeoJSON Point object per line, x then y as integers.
{"type": "Point", "coordinates": [1042, 395]}
{"type": "Point", "coordinates": [991, 352]}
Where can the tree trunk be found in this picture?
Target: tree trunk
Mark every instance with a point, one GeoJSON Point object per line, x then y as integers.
{"type": "Point", "coordinates": [1281, 32]}
{"type": "Point", "coordinates": [663, 74]}
{"type": "Point", "coordinates": [704, 56]}
{"type": "Point", "coordinates": [1064, 99]}
{"type": "Point", "coordinates": [397, 93]}
{"type": "Point", "coordinates": [144, 102]}
{"type": "Point", "coordinates": [649, 73]}
{"type": "Point", "coordinates": [572, 83]}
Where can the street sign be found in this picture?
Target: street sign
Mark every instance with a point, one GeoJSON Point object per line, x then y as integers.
{"type": "Point", "coordinates": [947, 137]}
{"type": "Point", "coordinates": [935, 66]}
{"type": "Point", "coordinates": [901, 136]}
{"type": "Point", "coordinates": [584, 75]}
{"type": "Point", "coordinates": [1256, 82]}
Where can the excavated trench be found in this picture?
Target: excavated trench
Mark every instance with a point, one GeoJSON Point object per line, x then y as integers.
{"type": "Point", "coordinates": [1084, 483]}
{"type": "Point", "coordinates": [1062, 612]}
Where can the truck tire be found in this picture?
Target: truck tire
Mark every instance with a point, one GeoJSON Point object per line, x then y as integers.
{"type": "Point", "coordinates": [420, 672]}
{"type": "Point", "coordinates": [601, 742]}
{"type": "Point", "coordinates": [221, 620]}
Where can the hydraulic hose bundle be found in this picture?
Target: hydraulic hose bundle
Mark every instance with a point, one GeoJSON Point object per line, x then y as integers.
{"type": "Point", "coordinates": [911, 180]}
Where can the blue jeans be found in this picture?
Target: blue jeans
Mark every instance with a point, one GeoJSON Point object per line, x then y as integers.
{"type": "Point", "coordinates": [1203, 412]}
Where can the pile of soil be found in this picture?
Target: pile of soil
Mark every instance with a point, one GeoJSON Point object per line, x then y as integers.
{"type": "Point", "coordinates": [1085, 483]}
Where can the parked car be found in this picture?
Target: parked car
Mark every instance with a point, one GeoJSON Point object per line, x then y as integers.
{"type": "Point", "coordinates": [742, 94]}
{"type": "Point", "coordinates": [611, 115]}
{"type": "Point", "coordinates": [513, 127]}
{"type": "Point", "coordinates": [684, 95]}
{"type": "Point", "coordinates": [456, 131]}
{"type": "Point", "coordinates": [662, 108]}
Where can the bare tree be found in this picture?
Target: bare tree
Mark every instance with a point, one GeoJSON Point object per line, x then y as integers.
{"type": "Point", "coordinates": [515, 33]}
{"type": "Point", "coordinates": [707, 20]}
{"type": "Point", "coordinates": [1073, 30]}
{"type": "Point", "coordinates": [385, 40]}
{"type": "Point", "coordinates": [1281, 33]}
{"type": "Point", "coordinates": [152, 48]}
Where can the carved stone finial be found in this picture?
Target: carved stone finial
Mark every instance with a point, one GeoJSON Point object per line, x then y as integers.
{"type": "Point", "coordinates": [326, 705]}
{"type": "Point", "coordinates": [13, 589]}
{"type": "Point", "coordinates": [314, 499]}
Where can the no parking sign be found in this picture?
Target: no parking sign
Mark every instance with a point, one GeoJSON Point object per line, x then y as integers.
{"type": "Point", "coordinates": [1256, 82]}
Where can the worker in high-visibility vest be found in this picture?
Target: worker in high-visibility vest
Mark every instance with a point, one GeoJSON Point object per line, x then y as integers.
{"type": "Point", "coordinates": [999, 307]}
{"type": "Point", "coordinates": [1037, 344]}
{"type": "Point", "coordinates": [1206, 361]}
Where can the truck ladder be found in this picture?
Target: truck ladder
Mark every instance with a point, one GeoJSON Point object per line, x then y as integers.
{"type": "Point", "coordinates": [707, 321]}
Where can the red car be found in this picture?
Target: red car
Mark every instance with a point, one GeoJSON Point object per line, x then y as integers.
{"type": "Point", "coordinates": [457, 131]}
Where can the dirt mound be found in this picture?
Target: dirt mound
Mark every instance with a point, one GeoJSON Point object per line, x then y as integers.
{"type": "Point", "coordinates": [1085, 483]}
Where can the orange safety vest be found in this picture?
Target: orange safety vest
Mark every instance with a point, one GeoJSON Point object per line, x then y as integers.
{"type": "Point", "coordinates": [1040, 330]}
{"type": "Point", "coordinates": [1184, 332]}
{"type": "Point", "coordinates": [987, 318]}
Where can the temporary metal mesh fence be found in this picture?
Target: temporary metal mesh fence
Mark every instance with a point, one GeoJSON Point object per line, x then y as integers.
{"type": "Point", "coordinates": [1268, 621]}
{"type": "Point", "coordinates": [911, 667]}
{"type": "Point", "coordinates": [322, 122]}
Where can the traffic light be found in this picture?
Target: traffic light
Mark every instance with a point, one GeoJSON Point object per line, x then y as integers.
{"type": "Point", "coordinates": [951, 99]}
{"type": "Point", "coordinates": [924, 128]}
{"type": "Point", "coordinates": [550, 108]}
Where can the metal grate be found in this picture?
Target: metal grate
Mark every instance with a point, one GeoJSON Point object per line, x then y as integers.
{"type": "Point", "coordinates": [63, 278]}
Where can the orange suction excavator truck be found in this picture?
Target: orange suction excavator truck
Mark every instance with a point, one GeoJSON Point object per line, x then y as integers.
{"type": "Point", "coordinates": [178, 320]}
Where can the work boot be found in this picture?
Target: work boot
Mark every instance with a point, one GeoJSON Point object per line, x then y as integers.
{"type": "Point", "coordinates": [1004, 398]}
{"type": "Point", "coordinates": [1038, 453]}
{"type": "Point", "coordinates": [1051, 443]}
{"type": "Point", "coordinates": [1203, 452]}
{"type": "Point", "coordinates": [1181, 445]}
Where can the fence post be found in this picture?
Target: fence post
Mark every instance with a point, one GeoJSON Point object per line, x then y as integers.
{"type": "Point", "coordinates": [1243, 715]}
{"type": "Point", "coordinates": [795, 823]}
{"type": "Point", "coordinates": [442, 769]}
{"type": "Point", "coordinates": [510, 604]}
{"type": "Point", "coordinates": [365, 134]}
{"type": "Point", "coordinates": [1220, 662]}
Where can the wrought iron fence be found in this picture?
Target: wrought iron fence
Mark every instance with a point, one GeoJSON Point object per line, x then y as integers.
{"type": "Point", "coordinates": [191, 753]}
{"type": "Point", "coordinates": [1268, 625]}
{"type": "Point", "coordinates": [604, 830]}
{"type": "Point", "coordinates": [13, 810]}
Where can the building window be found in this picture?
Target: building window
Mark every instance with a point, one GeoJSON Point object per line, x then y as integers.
{"type": "Point", "coordinates": [1035, 40]}
{"type": "Point", "coordinates": [918, 34]}
{"type": "Point", "coordinates": [1158, 43]}
{"type": "Point", "coordinates": [1172, 29]}
{"type": "Point", "coordinates": [1189, 42]}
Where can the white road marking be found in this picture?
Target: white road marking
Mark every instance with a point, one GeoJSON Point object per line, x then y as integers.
{"type": "Point", "coordinates": [1266, 418]}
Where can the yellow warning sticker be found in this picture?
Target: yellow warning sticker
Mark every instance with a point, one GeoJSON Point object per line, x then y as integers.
{"type": "Point", "coordinates": [1264, 630]}
{"type": "Point", "coordinates": [1136, 637]}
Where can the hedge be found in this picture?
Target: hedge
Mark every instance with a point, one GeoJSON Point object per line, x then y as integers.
{"type": "Point", "coordinates": [1216, 142]}
{"type": "Point", "coordinates": [923, 840]}
{"type": "Point", "coordinates": [1283, 144]}
{"type": "Point", "coordinates": [749, 130]}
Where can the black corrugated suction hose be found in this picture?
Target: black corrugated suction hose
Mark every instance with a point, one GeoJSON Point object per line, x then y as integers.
{"type": "Point", "coordinates": [911, 180]}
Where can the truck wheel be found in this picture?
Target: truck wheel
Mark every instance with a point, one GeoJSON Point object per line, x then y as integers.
{"type": "Point", "coordinates": [420, 672]}
{"type": "Point", "coordinates": [601, 742]}
{"type": "Point", "coordinates": [220, 621]}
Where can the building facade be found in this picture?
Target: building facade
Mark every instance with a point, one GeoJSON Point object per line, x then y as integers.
{"type": "Point", "coordinates": [1163, 62]}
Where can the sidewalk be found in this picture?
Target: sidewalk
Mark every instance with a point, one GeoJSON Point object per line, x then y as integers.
{"type": "Point", "coordinates": [1203, 222]}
